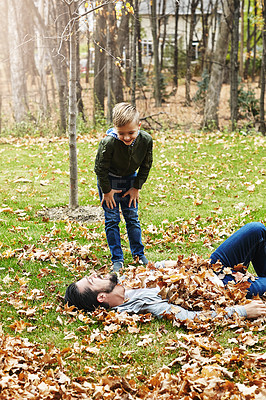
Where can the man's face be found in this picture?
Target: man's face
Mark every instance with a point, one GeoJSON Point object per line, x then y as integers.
{"type": "Point", "coordinates": [128, 133]}
{"type": "Point", "coordinates": [97, 283]}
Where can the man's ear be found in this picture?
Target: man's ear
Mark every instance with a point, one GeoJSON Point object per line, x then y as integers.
{"type": "Point", "coordinates": [101, 297]}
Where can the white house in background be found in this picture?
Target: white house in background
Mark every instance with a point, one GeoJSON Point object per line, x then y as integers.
{"type": "Point", "coordinates": [183, 25]}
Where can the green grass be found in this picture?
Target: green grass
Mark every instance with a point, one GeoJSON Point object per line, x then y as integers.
{"type": "Point", "coordinates": [201, 188]}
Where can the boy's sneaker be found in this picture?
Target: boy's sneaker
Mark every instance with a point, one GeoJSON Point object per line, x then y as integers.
{"type": "Point", "coordinates": [142, 259]}
{"type": "Point", "coordinates": [117, 266]}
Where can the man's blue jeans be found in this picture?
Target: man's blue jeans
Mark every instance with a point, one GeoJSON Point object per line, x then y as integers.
{"type": "Point", "coordinates": [112, 219]}
{"type": "Point", "coordinates": [246, 245]}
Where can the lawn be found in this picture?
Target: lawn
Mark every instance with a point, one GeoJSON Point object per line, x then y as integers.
{"type": "Point", "coordinates": [202, 187]}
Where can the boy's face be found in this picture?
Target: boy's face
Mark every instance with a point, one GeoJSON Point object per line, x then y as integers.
{"type": "Point", "coordinates": [128, 133]}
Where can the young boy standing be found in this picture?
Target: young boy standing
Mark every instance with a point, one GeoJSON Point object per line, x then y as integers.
{"type": "Point", "coordinates": [122, 165]}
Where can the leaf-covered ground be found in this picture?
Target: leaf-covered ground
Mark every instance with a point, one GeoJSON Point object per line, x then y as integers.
{"type": "Point", "coordinates": [201, 189]}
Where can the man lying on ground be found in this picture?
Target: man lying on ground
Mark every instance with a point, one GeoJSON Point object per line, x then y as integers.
{"type": "Point", "coordinates": [246, 245]}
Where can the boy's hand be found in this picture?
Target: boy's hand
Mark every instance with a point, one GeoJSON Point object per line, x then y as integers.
{"type": "Point", "coordinates": [133, 196]}
{"type": "Point", "coordinates": [108, 198]}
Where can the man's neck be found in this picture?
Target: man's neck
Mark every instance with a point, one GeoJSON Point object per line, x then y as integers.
{"type": "Point", "coordinates": [116, 297]}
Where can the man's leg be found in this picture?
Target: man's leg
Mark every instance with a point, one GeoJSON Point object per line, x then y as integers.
{"type": "Point", "coordinates": [257, 287]}
{"type": "Point", "coordinates": [112, 219]}
{"type": "Point", "coordinates": [245, 245]}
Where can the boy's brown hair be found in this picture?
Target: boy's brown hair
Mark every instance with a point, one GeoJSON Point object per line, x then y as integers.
{"type": "Point", "coordinates": [123, 113]}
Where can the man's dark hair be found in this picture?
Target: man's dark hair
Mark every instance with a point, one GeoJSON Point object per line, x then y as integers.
{"type": "Point", "coordinates": [86, 300]}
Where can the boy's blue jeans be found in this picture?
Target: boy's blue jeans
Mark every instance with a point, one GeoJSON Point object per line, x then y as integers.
{"type": "Point", "coordinates": [112, 219]}
{"type": "Point", "coordinates": [246, 245]}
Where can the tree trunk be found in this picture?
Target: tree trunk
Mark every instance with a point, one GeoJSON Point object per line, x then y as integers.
{"type": "Point", "coordinates": [204, 41]}
{"type": "Point", "coordinates": [134, 59]}
{"type": "Point", "coordinates": [41, 63]}
{"type": "Point", "coordinates": [157, 83]}
{"type": "Point", "coordinates": [164, 19]}
{"type": "Point", "coordinates": [109, 64]}
{"type": "Point", "coordinates": [175, 72]}
{"type": "Point", "coordinates": [99, 65]}
{"type": "Point", "coordinates": [58, 53]}
{"type": "Point", "coordinates": [194, 4]}
{"type": "Point", "coordinates": [234, 64]}
{"type": "Point", "coordinates": [255, 43]}
{"type": "Point", "coordinates": [88, 57]}
{"type": "Point", "coordinates": [210, 118]}
{"type": "Point", "coordinates": [18, 76]}
{"type": "Point", "coordinates": [80, 104]}
{"type": "Point", "coordinates": [262, 75]}
{"type": "Point", "coordinates": [246, 70]}
{"type": "Point", "coordinates": [128, 59]}
{"type": "Point", "coordinates": [241, 60]}
{"type": "Point", "coordinates": [138, 28]}
{"type": "Point", "coordinates": [73, 162]}
{"type": "Point", "coordinates": [120, 35]}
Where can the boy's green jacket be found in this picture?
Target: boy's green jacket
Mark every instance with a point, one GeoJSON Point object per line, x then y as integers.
{"type": "Point", "coordinates": [121, 160]}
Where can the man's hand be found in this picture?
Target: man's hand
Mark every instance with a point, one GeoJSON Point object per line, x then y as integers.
{"type": "Point", "coordinates": [108, 198]}
{"type": "Point", "coordinates": [255, 309]}
{"type": "Point", "coordinates": [133, 196]}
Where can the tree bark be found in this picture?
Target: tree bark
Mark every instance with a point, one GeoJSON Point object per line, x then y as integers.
{"type": "Point", "coordinates": [234, 64]}
{"type": "Point", "coordinates": [120, 35]}
{"type": "Point", "coordinates": [80, 103]}
{"type": "Point", "coordinates": [41, 63]}
{"type": "Point", "coordinates": [241, 58]}
{"type": "Point", "coordinates": [255, 43]}
{"type": "Point", "coordinates": [138, 28]}
{"type": "Point", "coordinates": [248, 43]}
{"type": "Point", "coordinates": [99, 65]}
{"type": "Point", "coordinates": [164, 19]}
{"type": "Point", "coordinates": [210, 118]}
{"type": "Point", "coordinates": [262, 75]}
{"type": "Point", "coordinates": [175, 72]}
{"type": "Point", "coordinates": [18, 76]}
{"type": "Point", "coordinates": [109, 64]}
{"type": "Point", "coordinates": [72, 109]}
{"type": "Point", "coordinates": [157, 83]}
{"type": "Point", "coordinates": [134, 59]}
{"type": "Point", "coordinates": [194, 4]}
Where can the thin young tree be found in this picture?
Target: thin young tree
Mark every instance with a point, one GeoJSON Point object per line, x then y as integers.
{"type": "Point", "coordinates": [193, 7]}
{"type": "Point", "coordinates": [254, 42]}
{"type": "Point", "coordinates": [18, 75]}
{"type": "Point", "coordinates": [50, 30]}
{"type": "Point", "coordinates": [99, 39]}
{"type": "Point", "coordinates": [109, 63]}
{"type": "Point", "coordinates": [138, 28]}
{"type": "Point", "coordinates": [134, 58]}
{"type": "Point", "coordinates": [248, 43]}
{"type": "Point", "coordinates": [157, 83]}
{"type": "Point", "coordinates": [242, 36]}
{"type": "Point", "coordinates": [210, 118]}
{"type": "Point", "coordinates": [162, 24]}
{"type": "Point", "coordinates": [234, 64]}
{"type": "Point", "coordinates": [175, 71]}
{"type": "Point", "coordinates": [72, 110]}
{"type": "Point", "coordinates": [262, 73]}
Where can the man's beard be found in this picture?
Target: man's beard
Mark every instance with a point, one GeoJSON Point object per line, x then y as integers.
{"type": "Point", "coordinates": [113, 282]}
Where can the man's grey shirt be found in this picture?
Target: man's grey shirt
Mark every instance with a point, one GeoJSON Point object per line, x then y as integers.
{"type": "Point", "coordinates": [147, 300]}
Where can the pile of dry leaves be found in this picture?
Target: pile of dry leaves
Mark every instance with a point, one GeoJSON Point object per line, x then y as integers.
{"type": "Point", "coordinates": [202, 370]}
